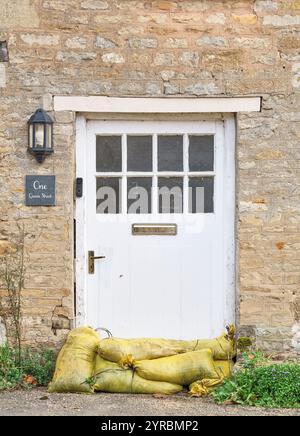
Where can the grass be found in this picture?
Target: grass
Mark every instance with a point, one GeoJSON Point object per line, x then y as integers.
{"type": "Point", "coordinates": [36, 368]}
{"type": "Point", "coordinates": [262, 383]}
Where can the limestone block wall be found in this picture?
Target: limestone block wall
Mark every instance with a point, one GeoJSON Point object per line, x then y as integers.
{"type": "Point", "coordinates": [157, 48]}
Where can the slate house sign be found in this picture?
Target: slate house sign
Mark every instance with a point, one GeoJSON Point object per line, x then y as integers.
{"type": "Point", "coordinates": [40, 190]}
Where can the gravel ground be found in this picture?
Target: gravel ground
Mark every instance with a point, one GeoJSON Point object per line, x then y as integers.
{"type": "Point", "coordinates": [38, 402]}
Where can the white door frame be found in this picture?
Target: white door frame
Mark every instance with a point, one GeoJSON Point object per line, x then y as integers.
{"type": "Point", "coordinates": [81, 207]}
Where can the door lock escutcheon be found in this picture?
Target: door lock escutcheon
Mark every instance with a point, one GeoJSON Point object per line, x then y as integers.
{"type": "Point", "coordinates": [92, 258]}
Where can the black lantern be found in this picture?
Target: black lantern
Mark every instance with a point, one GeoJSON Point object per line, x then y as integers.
{"type": "Point", "coordinates": [40, 135]}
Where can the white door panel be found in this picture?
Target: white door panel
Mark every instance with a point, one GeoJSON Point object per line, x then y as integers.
{"type": "Point", "coordinates": [161, 286]}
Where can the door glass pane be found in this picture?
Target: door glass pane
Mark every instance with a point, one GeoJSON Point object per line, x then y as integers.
{"type": "Point", "coordinates": [139, 194]}
{"type": "Point", "coordinates": [170, 194]}
{"type": "Point", "coordinates": [139, 153]}
{"type": "Point", "coordinates": [201, 153]}
{"type": "Point", "coordinates": [109, 195]}
{"type": "Point", "coordinates": [109, 154]}
{"type": "Point", "coordinates": [201, 195]}
{"type": "Point", "coordinates": [170, 153]}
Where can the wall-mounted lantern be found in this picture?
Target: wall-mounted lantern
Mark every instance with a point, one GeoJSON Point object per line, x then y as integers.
{"type": "Point", "coordinates": [40, 135]}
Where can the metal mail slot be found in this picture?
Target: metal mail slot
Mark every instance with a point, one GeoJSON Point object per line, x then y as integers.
{"type": "Point", "coordinates": [154, 229]}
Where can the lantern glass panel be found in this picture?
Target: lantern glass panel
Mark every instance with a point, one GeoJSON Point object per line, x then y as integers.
{"type": "Point", "coordinates": [30, 136]}
{"type": "Point", "coordinates": [48, 135]}
{"type": "Point", "coordinates": [39, 135]}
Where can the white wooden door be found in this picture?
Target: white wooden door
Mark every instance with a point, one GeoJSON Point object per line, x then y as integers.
{"type": "Point", "coordinates": [168, 177]}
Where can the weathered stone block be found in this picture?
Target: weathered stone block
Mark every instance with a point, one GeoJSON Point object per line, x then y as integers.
{"type": "Point", "coordinates": [76, 42]}
{"type": "Point", "coordinates": [113, 58]}
{"type": "Point", "coordinates": [202, 88]}
{"type": "Point", "coordinates": [289, 41]}
{"type": "Point", "coordinates": [164, 59]}
{"type": "Point", "coordinates": [212, 41]}
{"type": "Point", "coordinates": [47, 102]}
{"type": "Point", "coordinates": [164, 5]}
{"type": "Point", "coordinates": [175, 43]}
{"type": "Point", "coordinates": [43, 40]}
{"type": "Point", "coordinates": [190, 59]}
{"type": "Point", "coordinates": [171, 88]}
{"type": "Point", "coordinates": [2, 76]}
{"type": "Point", "coordinates": [281, 20]}
{"type": "Point", "coordinates": [105, 43]}
{"type": "Point", "coordinates": [294, 5]}
{"type": "Point", "coordinates": [194, 6]}
{"type": "Point", "coordinates": [167, 75]}
{"type": "Point", "coordinates": [153, 88]}
{"type": "Point", "coordinates": [252, 42]}
{"type": "Point", "coordinates": [218, 18]}
{"type": "Point", "coordinates": [6, 247]}
{"type": "Point", "coordinates": [296, 75]}
{"type": "Point", "coordinates": [266, 6]}
{"type": "Point", "coordinates": [22, 13]}
{"type": "Point", "coordinates": [55, 5]}
{"type": "Point", "coordinates": [247, 19]}
{"type": "Point", "coordinates": [3, 338]}
{"type": "Point", "coordinates": [94, 5]}
{"type": "Point", "coordinates": [141, 43]}
{"type": "Point", "coordinates": [71, 56]}
{"type": "Point", "coordinates": [296, 337]}
{"type": "Point", "coordinates": [130, 88]}
{"type": "Point", "coordinates": [60, 324]}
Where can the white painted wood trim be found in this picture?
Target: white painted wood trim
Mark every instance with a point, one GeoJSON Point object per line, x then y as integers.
{"type": "Point", "coordinates": [80, 214]}
{"type": "Point", "coordinates": [157, 105]}
{"type": "Point", "coordinates": [230, 252]}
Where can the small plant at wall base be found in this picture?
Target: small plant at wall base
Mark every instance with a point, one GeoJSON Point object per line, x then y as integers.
{"type": "Point", "coordinates": [36, 368]}
{"type": "Point", "coordinates": [12, 275]}
{"type": "Point", "coordinates": [19, 367]}
{"type": "Point", "coordinates": [262, 383]}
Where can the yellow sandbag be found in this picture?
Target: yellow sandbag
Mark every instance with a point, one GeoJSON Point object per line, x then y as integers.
{"type": "Point", "coordinates": [75, 362]}
{"type": "Point", "coordinates": [182, 369]}
{"type": "Point", "coordinates": [102, 365]}
{"type": "Point", "coordinates": [117, 350]}
{"type": "Point", "coordinates": [223, 347]}
{"type": "Point", "coordinates": [110, 377]}
{"type": "Point", "coordinates": [224, 368]}
{"type": "Point", "coordinates": [125, 381]}
{"type": "Point", "coordinates": [202, 388]}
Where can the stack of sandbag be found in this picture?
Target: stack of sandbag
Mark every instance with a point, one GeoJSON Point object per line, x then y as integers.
{"type": "Point", "coordinates": [163, 366]}
{"type": "Point", "coordinates": [88, 364]}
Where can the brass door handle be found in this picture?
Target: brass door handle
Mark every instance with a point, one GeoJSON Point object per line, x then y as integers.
{"type": "Point", "coordinates": [91, 260]}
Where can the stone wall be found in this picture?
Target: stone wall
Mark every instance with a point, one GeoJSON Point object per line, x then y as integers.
{"type": "Point", "coordinates": [158, 48]}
